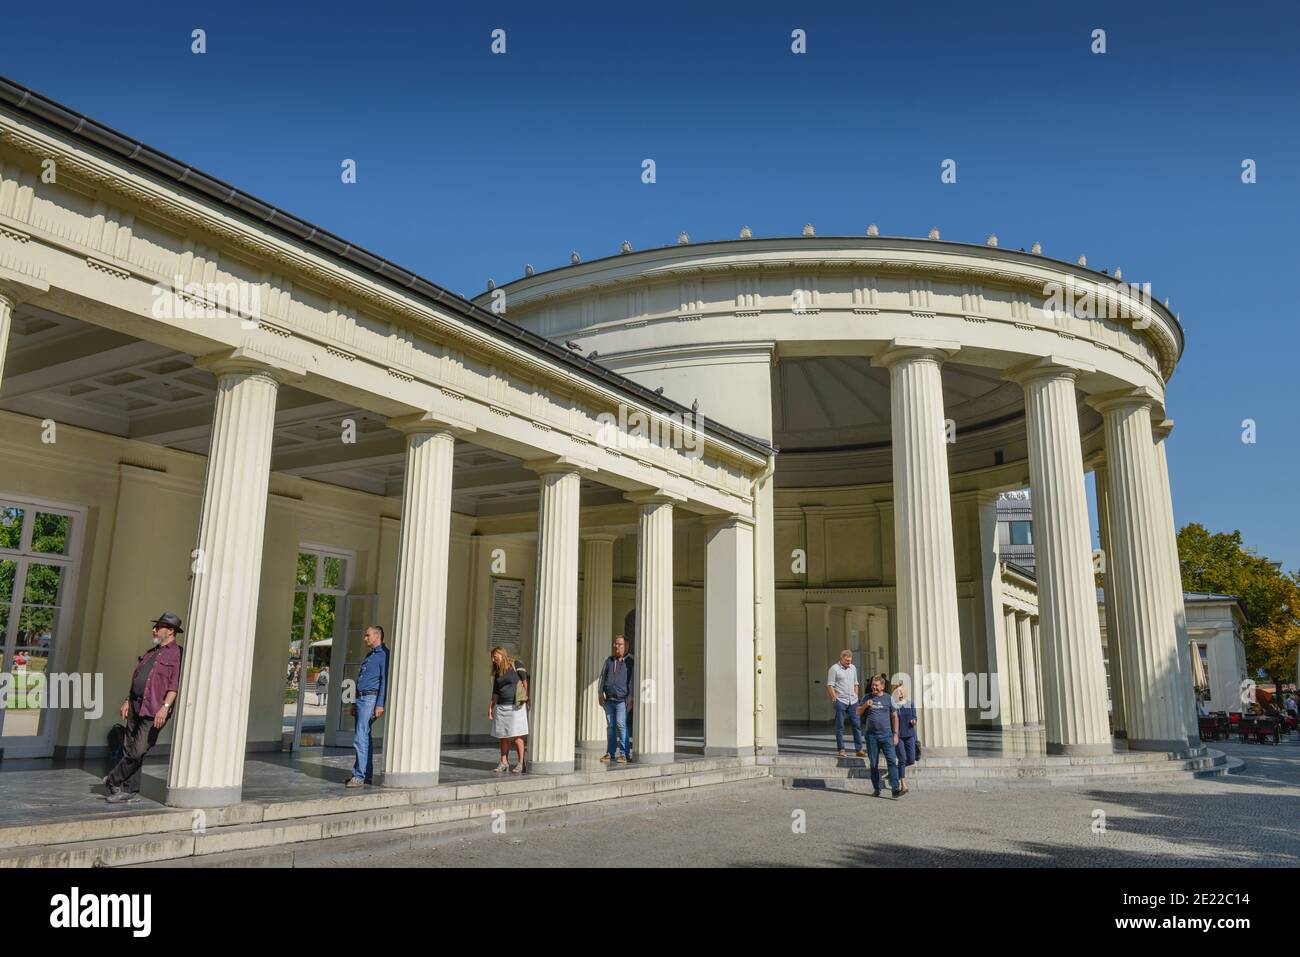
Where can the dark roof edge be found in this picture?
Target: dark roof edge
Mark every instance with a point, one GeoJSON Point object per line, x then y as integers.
{"type": "Point", "coordinates": [266, 216]}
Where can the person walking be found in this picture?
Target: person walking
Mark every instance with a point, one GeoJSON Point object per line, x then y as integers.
{"type": "Point", "coordinates": [906, 734]}
{"type": "Point", "coordinates": [842, 685]}
{"type": "Point", "coordinates": [147, 708]}
{"type": "Point", "coordinates": [882, 734]}
{"type": "Point", "coordinates": [372, 694]}
{"type": "Point", "coordinates": [508, 708]}
{"type": "Point", "coordinates": [616, 698]}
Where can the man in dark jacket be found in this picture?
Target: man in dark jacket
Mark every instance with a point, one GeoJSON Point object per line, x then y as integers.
{"type": "Point", "coordinates": [616, 694]}
{"type": "Point", "coordinates": [154, 685]}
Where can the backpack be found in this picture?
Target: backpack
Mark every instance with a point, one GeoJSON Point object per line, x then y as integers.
{"type": "Point", "coordinates": [116, 743]}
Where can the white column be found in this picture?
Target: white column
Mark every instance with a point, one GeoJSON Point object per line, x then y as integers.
{"type": "Point", "coordinates": [207, 757]}
{"type": "Point", "coordinates": [729, 638]}
{"type": "Point", "coordinates": [552, 720]}
{"type": "Point", "coordinates": [1072, 671]}
{"type": "Point", "coordinates": [7, 304]}
{"type": "Point", "coordinates": [929, 634]}
{"type": "Point", "coordinates": [653, 722]}
{"type": "Point", "coordinates": [1015, 685]}
{"type": "Point", "coordinates": [1028, 670]}
{"type": "Point", "coordinates": [1114, 638]}
{"type": "Point", "coordinates": [597, 634]}
{"type": "Point", "coordinates": [994, 617]}
{"type": "Point", "coordinates": [1138, 559]}
{"type": "Point", "coordinates": [1038, 662]}
{"type": "Point", "coordinates": [1174, 576]}
{"type": "Point", "coordinates": [413, 737]}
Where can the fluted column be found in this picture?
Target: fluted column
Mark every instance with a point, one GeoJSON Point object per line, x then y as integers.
{"type": "Point", "coordinates": [1114, 639]}
{"type": "Point", "coordinates": [1028, 670]}
{"type": "Point", "coordinates": [928, 630]}
{"type": "Point", "coordinates": [207, 757]}
{"type": "Point", "coordinates": [597, 634]}
{"type": "Point", "coordinates": [1015, 686]}
{"type": "Point", "coordinates": [994, 618]}
{"type": "Point", "coordinates": [1072, 672]}
{"type": "Point", "coordinates": [7, 305]}
{"type": "Point", "coordinates": [1174, 577]}
{"type": "Point", "coordinates": [552, 721]}
{"type": "Point", "coordinates": [729, 637]}
{"type": "Point", "coordinates": [1138, 558]}
{"type": "Point", "coordinates": [1038, 662]}
{"type": "Point", "coordinates": [413, 736]}
{"type": "Point", "coordinates": [653, 726]}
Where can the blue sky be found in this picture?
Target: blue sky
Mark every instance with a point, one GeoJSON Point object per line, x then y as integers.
{"type": "Point", "coordinates": [470, 164]}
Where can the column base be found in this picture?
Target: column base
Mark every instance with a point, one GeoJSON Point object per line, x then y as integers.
{"type": "Point", "coordinates": [1080, 750]}
{"type": "Point", "coordinates": [1177, 745]}
{"type": "Point", "coordinates": [1195, 742]}
{"type": "Point", "coordinates": [204, 797]}
{"type": "Point", "coordinates": [930, 751]}
{"type": "Point", "coordinates": [593, 746]}
{"type": "Point", "coordinates": [551, 767]}
{"type": "Point", "coordinates": [711, 751]}
{"type": "Point", "coordinates": [658, 757]}
{"type": "Point", "coordinates": [409, 779]}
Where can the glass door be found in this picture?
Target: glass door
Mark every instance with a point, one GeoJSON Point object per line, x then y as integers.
{"type": "Point", "coordinates": [320, 586]}
{"type": "Point", "coordinates": [359, 613]}
{"type": "Point", "coordinates": [36, 572]}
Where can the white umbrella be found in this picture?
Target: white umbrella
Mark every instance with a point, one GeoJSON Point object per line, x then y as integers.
{"type": "Point", "coordinates": [1198, 668]}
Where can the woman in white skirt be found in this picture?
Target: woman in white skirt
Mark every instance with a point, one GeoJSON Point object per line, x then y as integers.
{"type": "Point", "coordinates": [508, 707]}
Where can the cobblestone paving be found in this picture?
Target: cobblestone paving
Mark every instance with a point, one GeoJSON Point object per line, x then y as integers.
{"type": "Point", "coordinates": [1246, 819]}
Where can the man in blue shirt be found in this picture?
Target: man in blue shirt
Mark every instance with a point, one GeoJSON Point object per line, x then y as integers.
{"type": "Point", "coordinates": [372, 689]}
{"type": "Point", "coordinates": [881, 714]}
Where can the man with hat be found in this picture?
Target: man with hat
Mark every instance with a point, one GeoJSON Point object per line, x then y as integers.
{"type": "Point", "coordinates": [154, 684]}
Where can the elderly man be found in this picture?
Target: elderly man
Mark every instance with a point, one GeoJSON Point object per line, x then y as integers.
{"type": "Point", "coordinates": [842, 686]}
{"type": "Point", "coordinates": [372, 691]}
{"type": "Point", "coordinates": [154, 684]}
{"type": "Point", "coordinates": [881, 710]}
{"type": "Point", "coordinates": [616, 697]}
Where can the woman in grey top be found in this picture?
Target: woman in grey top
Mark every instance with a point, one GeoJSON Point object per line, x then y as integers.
{"type": "Point", "coordinates": [508, 707]}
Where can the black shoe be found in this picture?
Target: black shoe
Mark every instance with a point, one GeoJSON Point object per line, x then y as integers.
{"type": "Point", "coordinates": [896, 794]}
{"type": "Point", "coordinates": [121, 796]}
{"type": "Point", "coordinates": [876, 793]}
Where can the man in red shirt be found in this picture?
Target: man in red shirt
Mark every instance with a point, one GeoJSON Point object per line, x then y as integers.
{"type": "Point", "coordinates": [154, 684]}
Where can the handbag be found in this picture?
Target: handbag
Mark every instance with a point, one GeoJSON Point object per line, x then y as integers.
{"type": "Point", "coordinates": [521, 692]}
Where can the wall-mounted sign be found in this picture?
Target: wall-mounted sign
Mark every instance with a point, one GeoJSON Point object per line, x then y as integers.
{"type": "Point", "coordinates": [507, 614]}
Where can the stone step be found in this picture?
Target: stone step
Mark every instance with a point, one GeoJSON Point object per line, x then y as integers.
{"type": "Point", "coordinates": [349, 815]}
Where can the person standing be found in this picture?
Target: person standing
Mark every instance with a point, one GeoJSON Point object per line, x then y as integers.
{"type": "Point", "coordinates": [842, 685]}
{"type": "Point", "coordinates": [508, 707]}
{"type": "Point", "coordinates": [616, 698]}
{"type": "Point", "coordinates": [147, 708]}
{"type": "Point", "coordinates": [372, 694]}
{"type": "Point", "coordinates": [322, 685]}
{"type": "Point", "coordinates": [882, 734]}
{"type": "Point", "coordinates": [906, 734]}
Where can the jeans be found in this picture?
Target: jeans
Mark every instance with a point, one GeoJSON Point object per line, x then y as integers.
{"type": "Point", "coordinates": [906, 754]}
{"type": "Point", "coordinates": [878, 741]}
{"type": "Point", "coordinates": [364, 768]}
{"type": "Point", "coordinates": [841, 710]}
{"type": "Point", "coordinates": [616, 725]}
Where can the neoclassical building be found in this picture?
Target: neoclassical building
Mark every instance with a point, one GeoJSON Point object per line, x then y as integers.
{"type": "Point", "coordinates": [211, 406]}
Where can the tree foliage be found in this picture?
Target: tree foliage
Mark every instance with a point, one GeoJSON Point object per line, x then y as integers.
{"type": "Point", "coordinates": [1217, 562]}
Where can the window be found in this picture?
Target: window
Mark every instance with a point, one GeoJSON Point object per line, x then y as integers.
{"type": "Point", "coordinates": [1022, 533]}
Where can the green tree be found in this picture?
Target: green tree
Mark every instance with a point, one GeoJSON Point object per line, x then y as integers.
{"type": "Point", "coordinates": [1217, 562]}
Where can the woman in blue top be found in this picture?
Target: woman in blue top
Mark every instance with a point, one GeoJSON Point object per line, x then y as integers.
{"type": "Point", "coordinates": [906, 733]}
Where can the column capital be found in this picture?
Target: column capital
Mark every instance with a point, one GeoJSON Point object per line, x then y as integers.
{"type": "Point", "coordinates": [249, 360]}
{"type": "Point", "coordinates": [1095, 462]}
{"type": "Point", "coordinates": [600, 535]}
{"type": "Point", "coordinates": [423, 423]}
{"type": "Point", "coordinates": [1021, 615]}
{"type": "Point", "coordinates": [658, 496]}
{"type": "Point", "coordinates": [559, 463]}
{"type": "Point", "coordinates": [1049, 366]}
{"type": "Point", "coordinates": [1105, 402]}
{"type": "Point", "coordinates": [909, 349]}
{"type": "Point", "coordinates": [712, 522]}
{"type": "Point", "coordinates": [1162, 428]}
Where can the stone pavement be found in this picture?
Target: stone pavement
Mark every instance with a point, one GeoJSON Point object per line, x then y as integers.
{"type": "Point", "coordinates": [1248, 819]}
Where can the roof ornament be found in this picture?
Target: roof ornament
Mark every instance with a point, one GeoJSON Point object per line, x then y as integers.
{"type": "Point", "coordinates": [873, 230]}
{"type": "Point", "coordinates": [1119, 273]}
{"type": "Point", "coordinates": [574, 258]}
{"type": "Point", "coordinates": [746, 232]}
{"type": "Point", "coordinates": [808, 229]}
{"type": "Point", "coordinates": [492, 283]}
{"type": "Point", "coordinates": [1036, 249]}
{"type": "Point", "coordinates": [992, 240]}
{"type": "Point", "coordinates": [934, 233]}
{"type": "Point", "coordinates": [625, 248]}
{"type": "Point", "coordinates": [528, 269]}
{"type": "Point", "coordinates": [1083, 260]}
{"type": "Point", "coordinates": [682, 238]}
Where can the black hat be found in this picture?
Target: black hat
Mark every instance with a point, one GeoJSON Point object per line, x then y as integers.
{"type": "Point", "coordinates": [168, 620]}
